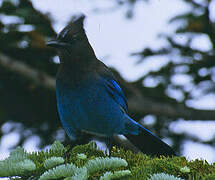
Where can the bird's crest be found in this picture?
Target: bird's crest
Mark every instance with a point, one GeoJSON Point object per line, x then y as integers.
{"type": "Point", "coordinates": [74, 27]}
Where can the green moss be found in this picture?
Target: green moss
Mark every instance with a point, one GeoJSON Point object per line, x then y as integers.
{"type": "Point", "coordinates": [141, 166]}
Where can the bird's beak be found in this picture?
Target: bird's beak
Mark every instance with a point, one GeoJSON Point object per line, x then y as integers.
{"type": "Point", "coordinates": [56, 44]}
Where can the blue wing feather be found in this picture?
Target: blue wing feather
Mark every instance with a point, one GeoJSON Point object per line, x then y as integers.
{"type": "Point", "coordinates": [117, 94]}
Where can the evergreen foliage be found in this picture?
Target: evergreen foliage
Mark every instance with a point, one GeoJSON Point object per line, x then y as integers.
{"type": "Point", "coordinates": [28, 104]}
{"type": "Point", "coordinates": [97, 165]}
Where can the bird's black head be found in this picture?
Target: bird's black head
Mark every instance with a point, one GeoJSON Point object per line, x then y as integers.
{"type": "Point", "coordinates": [72, 42]}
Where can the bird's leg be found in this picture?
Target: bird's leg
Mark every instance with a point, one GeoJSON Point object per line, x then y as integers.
{"type": "Point", "coordinates": [109, 143]}
{"type": "Point", "coordinates": [67, 153]}
{"type": "Point", "coordinates": [82, 138]}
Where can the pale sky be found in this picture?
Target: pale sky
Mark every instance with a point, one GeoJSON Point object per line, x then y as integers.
{"type": "Point", "coordinates": [111, 35]}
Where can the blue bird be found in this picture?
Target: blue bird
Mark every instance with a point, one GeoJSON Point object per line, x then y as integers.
{"type": "Point", "coordinates": [89, 98]}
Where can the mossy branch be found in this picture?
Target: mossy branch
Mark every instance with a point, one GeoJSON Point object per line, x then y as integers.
{"type": "Point", "coordinates": [86, 162]}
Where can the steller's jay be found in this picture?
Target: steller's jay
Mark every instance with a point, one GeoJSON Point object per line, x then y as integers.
{"type": "Point", "coordinates": [89, 98]}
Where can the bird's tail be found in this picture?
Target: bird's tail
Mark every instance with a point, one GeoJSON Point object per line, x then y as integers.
{"type": "Point", "coordinates": [149, 144]}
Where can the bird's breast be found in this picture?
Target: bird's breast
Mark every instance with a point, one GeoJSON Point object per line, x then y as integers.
{"type": "Point", "coordinates": [88, 107]}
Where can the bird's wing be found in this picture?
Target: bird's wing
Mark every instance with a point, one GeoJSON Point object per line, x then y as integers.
{"type": "Point", "coordinates": [111, 85]}
{"type": "Point", "coordinates": [116, 93]}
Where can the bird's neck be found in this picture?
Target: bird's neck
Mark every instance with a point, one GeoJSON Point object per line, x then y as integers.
{"type": "Point", "coordinates": [77, 55]}
{"type": "Point", "coordinates": [76, 63]}
{"type": "Point", "coordinates": [76, 71]}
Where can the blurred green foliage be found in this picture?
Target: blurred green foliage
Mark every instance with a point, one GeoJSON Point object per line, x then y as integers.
{"type": "Point", "coordinates": [23, 33]}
